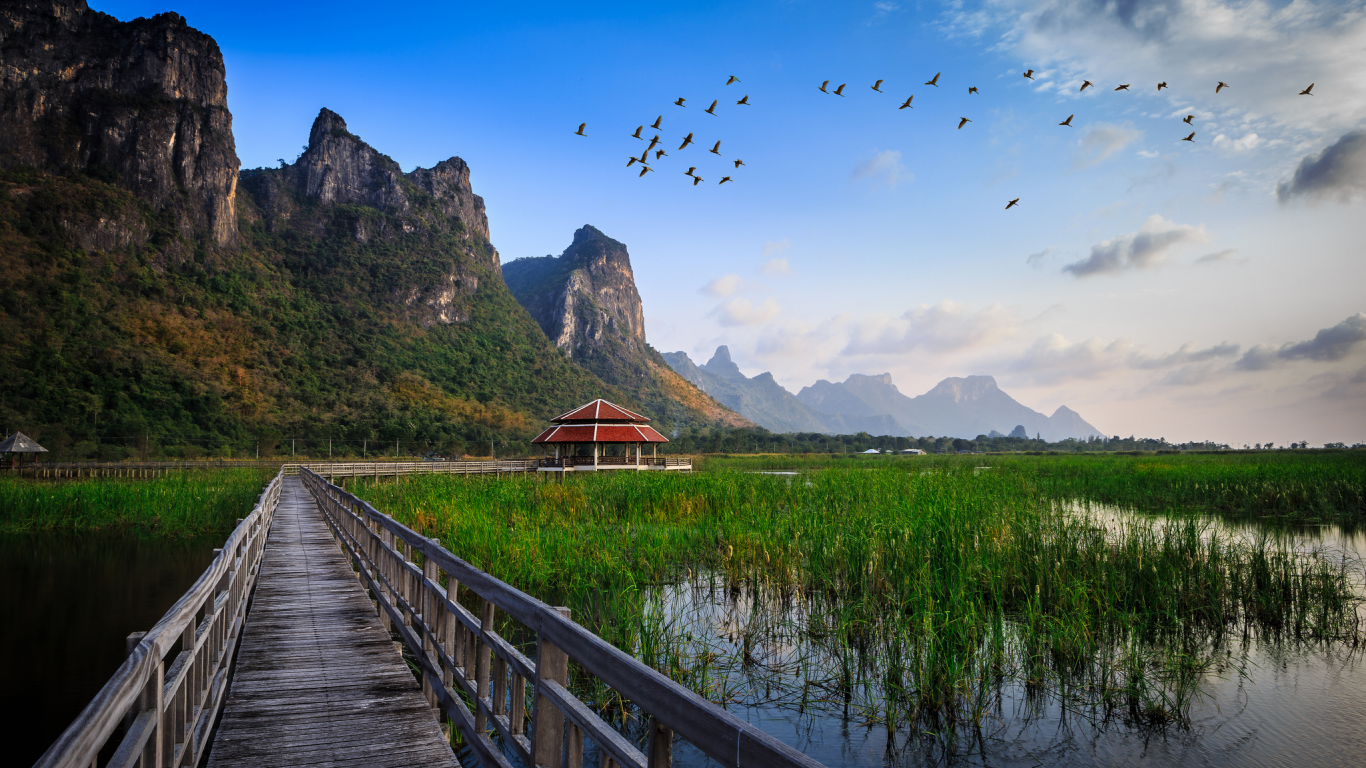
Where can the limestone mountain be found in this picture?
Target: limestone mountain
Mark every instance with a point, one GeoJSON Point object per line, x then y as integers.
{"type": "Point", "coordinates": [146, 300]}
{"type": "Point", "coordinates": [765, 402]}
{"type": "Point", "coordinates": [140, 104]}
{"type": "Point", "coordinates": [956, 407]}
{"type": "Point", "coordinates": [587, 303]}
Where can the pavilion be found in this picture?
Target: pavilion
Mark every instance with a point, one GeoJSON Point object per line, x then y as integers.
{"type": "Point", "coordinates": [586, 439]}
{"type": "Point", "coordinates": [19, 443]}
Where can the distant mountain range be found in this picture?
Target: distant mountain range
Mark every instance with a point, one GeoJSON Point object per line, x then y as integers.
{"type": "Point", "coordinates": [956, 407]}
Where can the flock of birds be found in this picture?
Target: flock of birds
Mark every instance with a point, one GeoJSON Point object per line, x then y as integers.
{"type": "Point", "coordinates": [645, 162]}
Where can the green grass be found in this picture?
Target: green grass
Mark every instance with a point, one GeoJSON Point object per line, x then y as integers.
{"type": "Point", "coordinates": [901, 593]}
{"type": "Point", "coordinates": [1287, 485]}
{"type": "Point", "coordinates": [187, 503]}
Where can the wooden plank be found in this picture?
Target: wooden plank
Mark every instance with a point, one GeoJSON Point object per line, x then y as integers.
{"type": "Point", "coordinates": [317, 680]}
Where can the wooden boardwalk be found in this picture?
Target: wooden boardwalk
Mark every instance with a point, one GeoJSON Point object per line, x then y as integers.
{"type": "Point", "coordinates": [318, 680]}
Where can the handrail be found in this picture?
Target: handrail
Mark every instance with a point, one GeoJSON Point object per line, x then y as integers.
{"type": "Point", "coordinates": [168, 711]}
{"type": "Point", "coordinates": [457, 651]}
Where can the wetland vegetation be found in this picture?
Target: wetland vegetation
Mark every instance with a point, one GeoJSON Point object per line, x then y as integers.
{"type": "Point", "coordinates": [910, 594]}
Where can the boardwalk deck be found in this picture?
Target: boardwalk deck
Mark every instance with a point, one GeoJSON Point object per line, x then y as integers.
{"type": "Point", "coordinates": [318, 680]}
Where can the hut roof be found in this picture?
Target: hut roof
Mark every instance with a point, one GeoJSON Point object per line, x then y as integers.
{"type": "Point", "coordinates": [21, 443]}
{"type": "Point", "coordinates": [600, 433]}
{"type": "Point", "coordinates": [599, 411]}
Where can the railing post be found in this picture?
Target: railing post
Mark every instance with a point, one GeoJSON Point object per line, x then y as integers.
{"type": "Point", "coordinates": [129, 643]}
{"type": "Point", "coordinates": [430, 623]}
{"type": "Point", "coordinates": [659, 752]}
{"type": "Point", "coordinates": [481, 667]}
{"type": "Point", "coordinates": [547, 721]}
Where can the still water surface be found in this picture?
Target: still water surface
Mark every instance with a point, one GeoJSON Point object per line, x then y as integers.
{"type": "Point", "coordinates": [66, 604]}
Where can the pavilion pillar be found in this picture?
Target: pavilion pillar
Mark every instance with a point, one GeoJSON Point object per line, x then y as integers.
{"type": "Point", "coordinates": [595, 455]}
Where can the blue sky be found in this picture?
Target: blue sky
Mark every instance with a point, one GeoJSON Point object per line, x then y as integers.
{"type": "Point", "coordinates": [1181, 289]}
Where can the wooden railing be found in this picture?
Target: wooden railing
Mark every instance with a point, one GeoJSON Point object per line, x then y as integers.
{"type": "Point", "coordinates": [167, 711]}
{"type": "Point", "coordinates": [459, 653]}
{"type": "Point", "coordinates": [396, 468]}
{"type": "Point", "coordinates": [682, 462]}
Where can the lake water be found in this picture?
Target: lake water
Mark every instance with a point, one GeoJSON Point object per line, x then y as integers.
{"type": "Point", "coordinates": [68, 602]}
{"type": "Point", "coordinates": [1263, 705]}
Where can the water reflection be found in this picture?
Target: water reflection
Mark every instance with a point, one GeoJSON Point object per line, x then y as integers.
{"type": "Point", "coordinates": [1261, 702]}
{"type": "Point", "coordinates": [68, 602]}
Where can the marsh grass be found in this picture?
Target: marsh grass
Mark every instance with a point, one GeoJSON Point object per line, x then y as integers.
{"type": "Point", "coordinates": [905, 599]}
{"type": "Point", "coordinates": [188, 503]}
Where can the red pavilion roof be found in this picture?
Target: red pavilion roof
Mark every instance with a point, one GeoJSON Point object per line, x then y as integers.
{"type": "Point", "coordinates": [599, 411]}
{"type": "Point", "coordinates": [601, 433]}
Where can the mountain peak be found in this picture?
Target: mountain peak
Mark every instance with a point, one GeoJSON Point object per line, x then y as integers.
{"type": "Point", "coordinates": [327, 123]}
{"type": "Point", "coordinates": [965, 388]}
{"type": "Point", "coordinates": [885, 379]}
{"type": "Point", "coordinates": [721, 364]}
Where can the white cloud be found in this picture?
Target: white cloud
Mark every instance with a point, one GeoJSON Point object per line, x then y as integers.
{"type": "Point", "coordinates": [1338, 171]}
{"type": "Point", "coordinates": [1101, 141]}
{"type": "Point", "coordinates": [777, 246]}
{"type": "Point", "coordinates": [1219, 257]}
{"type": "Point", "coordinates": [741, 311]}
{"type": "Point", "coordinates": [1267, 52]}
{"type": "Point", "coordinates": [778, 266]}
{"type": "Point", "coordinates": [1328, 345]}
{"type": "Point", "coordinates": [941, 328]}
{"type": "Point", "coordinates": [1248, 142]}
{"type": "Point", "coordinates": [883, 168]}
{"type": "Point", "coordinates": [1053, 359]}
{"type": "Point", "coordinates": [725, 285]}
{"type": "Point", "coordinates": [1146, 248]}
{"type": "Point", "coordinates": [1038, 260]}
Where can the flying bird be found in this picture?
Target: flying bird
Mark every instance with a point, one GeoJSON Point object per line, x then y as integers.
{"type": "Point", "coordinates": [1221, 86]}
{"type": "Point", "coordinates": [686, 141]}
{"type": "Point", "coordinates": [680, 102]}
{"type": "Point", "coordinates": [973, 89]}
{"type": "Point", "coordinates": [934, 80]}
{"type": "Point", "coordinates": [739, 163]}
{"type": "Point", "coordinates": [1085, 84]}
{"type": "Point", "coordinates": [827, 82]}
{"type": "Point", "coordinates": [645, 156]}
{"type": "Point", "coordinates": [1190, 138]}
{"type": "Point", "coordinates": [1187, 119]}
{"type": "Point", "coordinates": [632, 161]}
{"type": "Point", "coordinates": [744, 101]}
{"type": "Point", "coordinates": [658, 120]}
{"type": "Point", "coordinates": [733, 79]}
{"type": "Point", "coordinates": [645, 170]}
{"type": "Point", "coordinates": [840, 90]}
{"type": "Point", "coordinates": [580, 131]}
{"type": "Point", "coordinates": [908, 103]}
{"type": "Point", "coordinates": [660, 153]}
{"type": "Point", "coordinates": [712, 109]}
{"type": "Point", "coordinates": [723, 180]}
{"type": "Point", "coordinates": [637, 135]}
{"type": "Point", "coordinates": [1306, 91]}
{"type": "Point", "coordinates": [878, 86]}
{"type": "Point", "coordinates": [696, 180]}
{"type": "Point", "coordinates": [962, 121]}
{"type": "Point", "coordinates": [1162, 85]}
{"type": "Point", "coordinates": [690, 170]}
{"type": "Point", "coordinates": [653, 142]}
{"type": "Point", "coordinates": [1124, 87]}
{"type": "Point", "coordinates": [1012, 203]}
{"type": "Point", "coordinates": [1068, 121]}
{"type": "Point", "coordinates": [716, 150]}
{"type": "Point", "coordinates": [1029, 73]}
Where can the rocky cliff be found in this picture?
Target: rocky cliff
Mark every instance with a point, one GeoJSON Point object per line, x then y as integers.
{"type": "Point", "coordinates": [429, 219]}
{"type": "Point", "coordinates": [141, 104]}
{"type": "Point", "coordinates": [586, 301]}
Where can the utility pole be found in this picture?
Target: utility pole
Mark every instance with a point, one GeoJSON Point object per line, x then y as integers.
{"type": "Point", "coordinates": [364, 444]}
{"type": "Point", "coordinates": [329, 449]}
{"type": "Point", "coordinates": [396, 449]}
{"type": "Point", "coordinates": [291, 447]}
